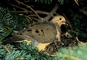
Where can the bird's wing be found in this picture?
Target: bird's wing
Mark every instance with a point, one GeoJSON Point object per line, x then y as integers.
{"type": "Point", "coordinates": [43, 32]}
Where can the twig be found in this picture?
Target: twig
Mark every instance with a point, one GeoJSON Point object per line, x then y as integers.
{"type": "Point", "coordinates": [6, 48]}
{"type": "Point", "coordinates": [78, 40]}
{"type": "Point", "coordinates": [76, 1]}
{"type": "Point", "coordinates": [83, 11]}
{"type": "Point", "coordinates": [51, 13]}
{"type": "Point", "coordinates": [36, 19]}
{"type": "Point", "coordinates": [39, 12]}
{"type": "Point", "coordinates": [42, 12]}
{"type": "Point", "coordinates": [29, 8]}
{"type": "Point", "coordinates": [22, 12]}
{"type": "Point", "coordinates": [67, 19]}
{"type": "Point", "coordinates": [28, 18]}
{"type": "Point", "coordinates": [18, 7]}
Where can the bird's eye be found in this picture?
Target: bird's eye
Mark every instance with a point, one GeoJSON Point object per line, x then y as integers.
{"type": "Point", "coordinates": [60, 18]}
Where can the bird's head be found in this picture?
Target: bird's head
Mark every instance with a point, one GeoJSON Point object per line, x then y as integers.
{"type": "Point", "coordinates": [59, 20]}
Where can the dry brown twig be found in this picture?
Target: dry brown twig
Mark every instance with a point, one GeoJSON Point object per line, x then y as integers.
{"type": "Point", "coordinates": [29, 8]}
{"type": "Point", "coordinates": [40, 19]}
{"type": "Point", "coordinates": [51, 13]}
{"type": "Point", "coordinates": [6, 48]}
{"type": "Point", "coordinates": [18, 7]}
{"type": "Point", "coordinates": [25, 10]}
{"type": "Point", "coordinates": [83, 11]}
{"type": "Point", "coordinates": [67, 19]}
{"type": "Point", "coordinates": [76, 1]}
{"type": "Point", "coordinates": [37, 11]}
{"type": "Point", "coordinates": [42, 12]}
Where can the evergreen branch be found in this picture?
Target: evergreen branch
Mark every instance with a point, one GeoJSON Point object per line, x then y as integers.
{"type": "Point", "coordinates": [6, 34]}
{"type": "Point", "coordinates": [77, 53]}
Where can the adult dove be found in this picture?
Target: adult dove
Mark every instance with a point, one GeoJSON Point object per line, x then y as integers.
{"type": "Point", "coordinates": [45, 32]}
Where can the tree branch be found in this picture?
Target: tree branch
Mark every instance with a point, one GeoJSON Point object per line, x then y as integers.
{"type": "Point", "coordinates": [66, 19]}
{"type": "Point", "coordinates": [51, 13]}
{"type": "Point", "coordinates": [6, 48]}
{"type": "Point", "coordinates": [29, 8]}
{"type": "Point", "coordinates": [83, 11]}
{"type": "Point", "coordinates": [38, 11]}
{"type": "Point", "coordinates": [18, 7]}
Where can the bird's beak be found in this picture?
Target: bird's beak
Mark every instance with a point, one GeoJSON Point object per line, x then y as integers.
{"type": "Point", "coordinates": [66, 24]}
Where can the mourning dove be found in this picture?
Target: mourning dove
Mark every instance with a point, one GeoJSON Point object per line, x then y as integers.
{"type": "Point", "coordinates": [44, 33]}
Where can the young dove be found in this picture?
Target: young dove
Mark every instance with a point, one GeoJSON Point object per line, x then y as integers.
{"type": "Point", "coordinates": [45, 32]}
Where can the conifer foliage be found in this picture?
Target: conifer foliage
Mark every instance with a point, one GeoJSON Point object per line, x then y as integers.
{"type": "Point", "coordinates": [11, 20]}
